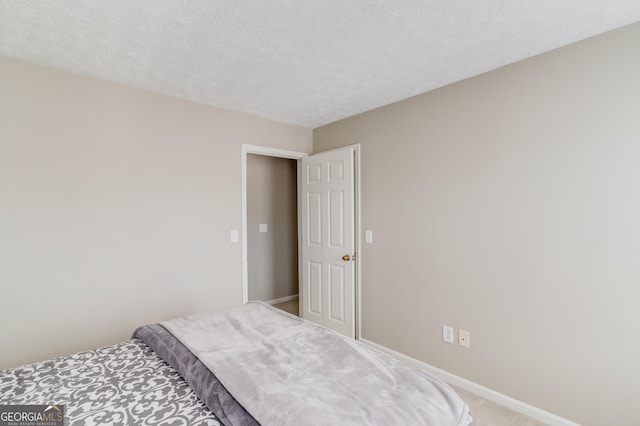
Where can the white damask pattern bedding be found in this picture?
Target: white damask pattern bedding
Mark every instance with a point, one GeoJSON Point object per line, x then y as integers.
{"type": "Point", "coordinates": [123, 384]}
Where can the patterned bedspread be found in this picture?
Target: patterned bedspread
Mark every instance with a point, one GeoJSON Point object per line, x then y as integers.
{"type": "Point", "coordinates": [123, 384]}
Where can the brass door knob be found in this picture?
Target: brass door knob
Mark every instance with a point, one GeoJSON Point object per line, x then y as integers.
{"type": "Point", "coordinates": [346, 258]}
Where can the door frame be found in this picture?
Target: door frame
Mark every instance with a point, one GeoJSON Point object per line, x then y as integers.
{"type": "Point", "coordinates": [295, 155]}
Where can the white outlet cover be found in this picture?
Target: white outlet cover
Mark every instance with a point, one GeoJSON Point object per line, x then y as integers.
{"type": "Point", "coordinates": [234, 236]}
{"type": "Point", "coordinates": [464, 338]}
{"type": "Point", "coordinates": [262, 227]}
{"type": "Point", "coordinates": [447, 334]}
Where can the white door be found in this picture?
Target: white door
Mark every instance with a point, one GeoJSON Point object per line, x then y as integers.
{"type": "Point", "coordinates": [328, 239]}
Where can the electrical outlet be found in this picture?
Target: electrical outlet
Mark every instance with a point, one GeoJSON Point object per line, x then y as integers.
{"type": "Point", "coordinates": [464, 338]}
{"type": "Point", "coordinates": [447, 334]}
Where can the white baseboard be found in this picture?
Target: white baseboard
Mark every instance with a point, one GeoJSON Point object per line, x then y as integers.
{"type": "Point", "coordinates": [282, 300]}
{"type": "Point", "coordinates": [486, 393]}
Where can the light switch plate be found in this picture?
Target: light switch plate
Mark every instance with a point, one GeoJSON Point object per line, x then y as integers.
{"type": "Point", "coordinates": [234, 236]}
{"type": "Point", "coordinates": [368, 237]}
{"type": "Point", "coordinates": [262, 227]}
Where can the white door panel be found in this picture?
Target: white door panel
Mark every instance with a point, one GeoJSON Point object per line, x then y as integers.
{"type": "Point", "coordinates": [336, 293]}
{"type": "Point", "coordinates": [314, 218]}
{"type": "Point", "coordinates": [328, 239]}
{"type": "Point", "coordinates": [314, 289]}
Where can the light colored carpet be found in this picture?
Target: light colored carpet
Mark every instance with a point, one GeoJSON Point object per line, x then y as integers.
{"type": "Point", "coordinates": [485, 412]}
{"type": "Point", "coordinates": [488, 413]}
{"type": "Point", "coordinates": [291, 307]}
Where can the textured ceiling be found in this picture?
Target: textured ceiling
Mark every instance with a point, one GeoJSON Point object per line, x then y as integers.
{"type": "Point", "coordinates": [307, 62]}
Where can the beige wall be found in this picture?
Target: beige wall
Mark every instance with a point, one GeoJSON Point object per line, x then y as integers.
{"type": "Point", "coordinates": [509, 205]}
{"type": "Point", "coordinates": [115, 208]}
{"type": "Point", "coordinates": [272, 200]}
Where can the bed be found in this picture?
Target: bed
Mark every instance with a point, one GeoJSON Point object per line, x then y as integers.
{"type": "Point", "coordinates": [248, 365]}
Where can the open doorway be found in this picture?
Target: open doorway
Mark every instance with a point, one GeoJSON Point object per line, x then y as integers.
{"type": "Point", "coordinates": [305, 284]}
{"type": "Point", "coordinates": [260, 250]}
{"type": "Point", "coordinates": [272, 231]}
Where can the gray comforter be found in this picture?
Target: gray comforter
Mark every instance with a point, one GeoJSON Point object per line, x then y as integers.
{"type": "Point", "coordinates": [286, 371]}
{"type": "Point", "coordinates": [199, 378]}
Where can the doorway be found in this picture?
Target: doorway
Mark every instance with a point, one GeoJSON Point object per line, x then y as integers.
{"type": "Point", "coordinates": [248, 150]}
{"type": "Point", "coordinates": [265, 151]}
{"type": "Point", "coordinates": [272, 230]}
